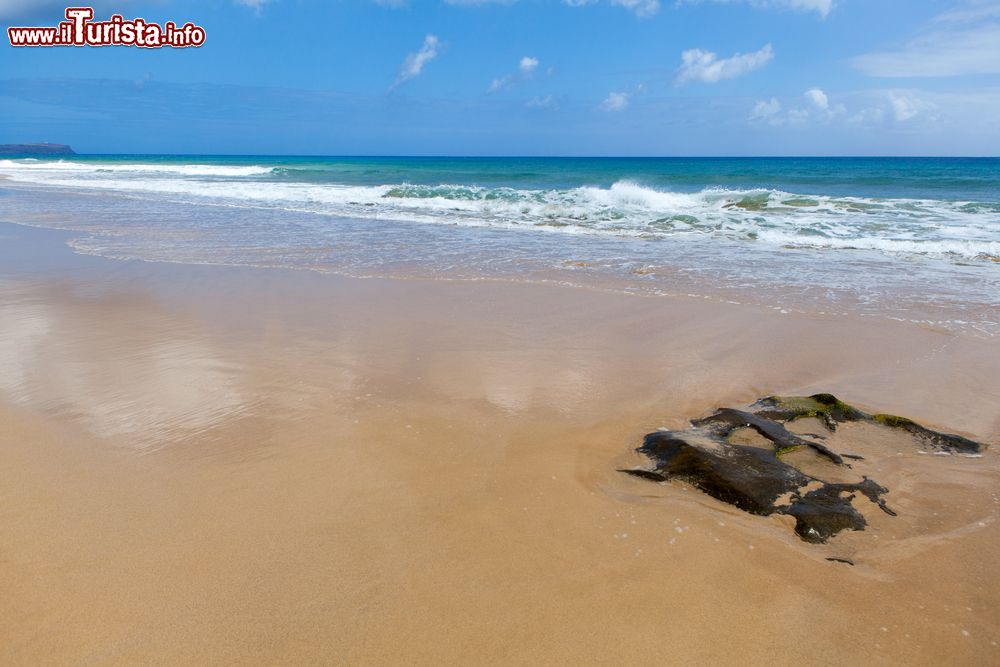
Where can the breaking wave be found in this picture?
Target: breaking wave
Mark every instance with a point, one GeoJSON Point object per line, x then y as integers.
{"type": "Point", "coordinates": [957, 230]}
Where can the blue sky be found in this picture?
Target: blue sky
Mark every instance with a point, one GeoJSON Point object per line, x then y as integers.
{"type": "Point", "coordinates": [521, 77]}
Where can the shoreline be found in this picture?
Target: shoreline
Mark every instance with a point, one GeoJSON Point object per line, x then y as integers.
{"type": "Point", "coordinates": [210, 464]}
{"type": "Point", "coordinates": [966, 309]}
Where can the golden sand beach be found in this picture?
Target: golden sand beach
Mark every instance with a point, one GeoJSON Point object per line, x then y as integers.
{"type": "Point", "coordinates": [220, 465]}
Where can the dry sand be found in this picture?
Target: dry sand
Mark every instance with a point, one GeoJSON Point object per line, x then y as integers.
{"type": "Point", "coordinates": [205, 465]}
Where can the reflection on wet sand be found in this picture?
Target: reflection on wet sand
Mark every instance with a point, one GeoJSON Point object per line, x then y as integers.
{"type": "Point", "coordinates": [130, 379]}
{"type": "Point", "coordinates": [206, 465]}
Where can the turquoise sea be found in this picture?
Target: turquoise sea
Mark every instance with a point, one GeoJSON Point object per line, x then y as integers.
{"type": "Point", "coordinates": [908, 238]}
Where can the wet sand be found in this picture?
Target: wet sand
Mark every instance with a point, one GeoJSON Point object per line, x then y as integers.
{"type": "Point", "coordinates": [209, 465]}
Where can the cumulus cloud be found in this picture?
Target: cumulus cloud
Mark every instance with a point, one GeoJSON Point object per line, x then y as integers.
{"type": "Point", "coordinates": [818, 98]}
{"type": "Point", "coordinates": [526, 66]}
{"type": "Point", "coordinates": [614, 102]}
{"type": "Point", "coordinates": [707, 67]}
{"type": "Point", "coordinates": [907, 105]}
{"type": "Point", "coordinates": [414, 63]}
{"type": "Point", "coordinates": [900, 106]}
{"type": "Point", "coordinates": [766, 110]}
{"type": "Point", "coordinates": [962, 41]}
{"type": "Point", "coordinates": [903, 107]}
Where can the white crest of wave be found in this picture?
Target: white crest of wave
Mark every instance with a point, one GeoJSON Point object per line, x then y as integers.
{"type": "Point", "coordinates": [16, 168]}
{"type": "Point", "coordinates": [626, 208]}
{"type": "Point", "coordinates": [633, 195]}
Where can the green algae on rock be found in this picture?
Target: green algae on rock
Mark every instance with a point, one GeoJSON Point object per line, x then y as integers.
{"type": "Point", "coordinates": [726, 420]}
{"type": "Point", "coordinates": [833, 411]}
{"type": "Point", "coordinates": [758, 481]}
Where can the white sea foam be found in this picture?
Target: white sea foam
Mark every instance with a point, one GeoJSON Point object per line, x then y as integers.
{"type": "Point", "coordinates": [965, 249]}
{"type": "Point", "coordinates": [35, 170]}
{"type": "Point", "coordinates": [771, 218]}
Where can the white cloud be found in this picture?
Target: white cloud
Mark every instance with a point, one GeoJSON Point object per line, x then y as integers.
{"type": "Point", "coordinates": [879, 107]}
{"type": "Point", "coordinates": [548, 102]}
{"type": "Point", "coordinates": [819, 110]}
{"type": "Point", "coordinates": [904, 107]}
{"type": "Point", "coordinates": [818, 98]}
{"type": "Point", "coordinates": [772, 112]}
{"type": "Point", "coordinates": [526, 66]}
{"type": "Point", "coordinates": [414, 63]}
{"type": "Point", "coordinates": [614, 102]}
{"type": "Point", "coordinates": [766, 110]}
{"type": "Point", "coordinates": [499, 83]}
{"type": "Point", "coordinates": [962, 41]}
{"type": "Point", "coordinates": [907, 105]}
{"type": "Point", "coordinates": [705, 66]}
{"type": "Point", "coordinates": [822, 7]}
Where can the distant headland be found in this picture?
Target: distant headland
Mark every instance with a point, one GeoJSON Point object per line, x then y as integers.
{"type": "Point", "coordinates": [35, 149]}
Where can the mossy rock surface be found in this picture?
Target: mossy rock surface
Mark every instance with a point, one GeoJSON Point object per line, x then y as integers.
{"type": "Point", "coordinates": [832, 411]}
{"type": "Point", "coordinates": [758, 481]}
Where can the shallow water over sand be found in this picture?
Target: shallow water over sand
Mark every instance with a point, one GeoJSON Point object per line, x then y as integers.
{"type": "Point", "coordinates": [949, 291]}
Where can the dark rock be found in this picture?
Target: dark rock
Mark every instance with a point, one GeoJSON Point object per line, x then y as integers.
{"type": "Point", "coordinates": [825, 407]}
{"type": "Point", "coordinates": [727, 420]}
{"type": "Point", "coordinates": [833, 411]}
{"type": "Point", "coordinates": [758, 481]}
{"type": "Point", "coordinates": [945, 442]}
{"type": "Point", "coordinates": [837, 559]}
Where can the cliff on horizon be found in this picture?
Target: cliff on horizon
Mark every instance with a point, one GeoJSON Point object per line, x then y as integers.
{"type": "Point", "coordinates": [35, 149]}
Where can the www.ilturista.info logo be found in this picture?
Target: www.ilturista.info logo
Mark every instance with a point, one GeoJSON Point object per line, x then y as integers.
{"type": "Point", "coordinates": [80, 30]}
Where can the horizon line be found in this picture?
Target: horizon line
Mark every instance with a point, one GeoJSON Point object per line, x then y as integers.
{"type": "Point", "coordinates": [519, 157]}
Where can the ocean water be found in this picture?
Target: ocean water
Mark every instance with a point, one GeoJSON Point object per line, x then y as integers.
{"type": "Point", "coordinates": [905, 238]}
